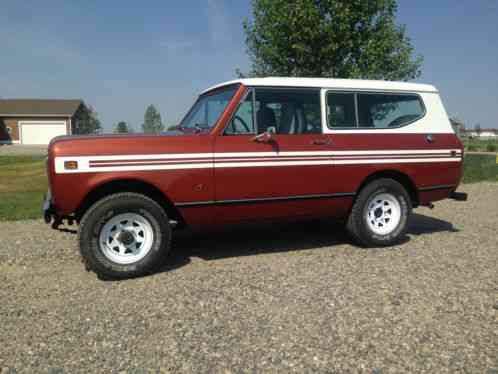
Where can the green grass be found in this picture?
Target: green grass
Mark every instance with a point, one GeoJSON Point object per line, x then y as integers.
{"type": "Point", "coordinates": [23, 182]}
{"type": "Point", "coordinates": [22, 185]}
{"type": "Point", "coordinates": [479, 168]}
{"type": "Point", "coordinates": [478, 145]}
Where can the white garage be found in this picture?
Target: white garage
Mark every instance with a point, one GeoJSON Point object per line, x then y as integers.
{"type": "Point", "coordinates": [41, 132]}
{"type": "Point", "coordinates": [38, 121]}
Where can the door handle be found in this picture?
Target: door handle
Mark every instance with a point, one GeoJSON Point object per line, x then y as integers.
{"type": "Point", "coordinates": [429, 138]}
{"type": "Point", "coordinates": [323, 141]}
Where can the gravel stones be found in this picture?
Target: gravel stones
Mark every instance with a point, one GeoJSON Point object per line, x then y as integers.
{"type": "Point", "coordinates": [289, 298]}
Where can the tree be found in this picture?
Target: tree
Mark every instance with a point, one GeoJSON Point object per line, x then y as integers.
{"type": "Point", "coordinates": [122, 128]}
{"type": "Point", "coordinates": [329, 38]}
{"type": "Point", "coordinates": [152, 121]}
{"type": "Point", "coordinates": [87, 121]}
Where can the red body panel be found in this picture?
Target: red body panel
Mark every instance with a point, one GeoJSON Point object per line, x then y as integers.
{"type": "Point", "coordinates": [422, 174]}
{"type": "Point", "coordinates": [217, 192]}
{"type": "Point", "coordinates": [233, 183]}
{"type": "Point", "coordinates": [69, 190]}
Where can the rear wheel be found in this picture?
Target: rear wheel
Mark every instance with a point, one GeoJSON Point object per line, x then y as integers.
{"type": "Point", "coordinates": [124, 235]}
{"type": "Point", "coordinates": [380, 214]}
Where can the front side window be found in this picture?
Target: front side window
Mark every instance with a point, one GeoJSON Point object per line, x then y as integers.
{"type": "Point", "coordinates": [288, 111]}
{"type": "Point", "coordinates": [383, 111]}
{"type": "Point", "coordinates": [242, 122]}
{"type": "Point", "coordinates": [208, 109]}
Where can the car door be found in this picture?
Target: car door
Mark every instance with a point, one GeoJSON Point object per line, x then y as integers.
{"type": "Point", "coordinates": [272, 160]}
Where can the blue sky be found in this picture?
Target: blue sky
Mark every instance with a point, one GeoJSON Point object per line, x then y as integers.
{"type": "Point", "coordinates": [120, 56]}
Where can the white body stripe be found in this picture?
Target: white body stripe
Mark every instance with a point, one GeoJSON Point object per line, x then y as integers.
{"type": "Point", "coordinates": [148, 157]}
{"type": "Point", "coordinates": [98, 164]}
{"type": "Point", "coordinates": [332, 162]}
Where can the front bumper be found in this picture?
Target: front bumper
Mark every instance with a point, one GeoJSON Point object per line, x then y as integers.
{"type": "Point", "coordinates": [48, 209]}
{"type": "Point", "coordinates": [51, 214]}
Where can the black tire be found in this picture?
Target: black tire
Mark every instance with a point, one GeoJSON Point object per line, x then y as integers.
{"type": "Point", "coordinates": [105, 209]}
{"type": "Point", "coordinates": [358, 225]}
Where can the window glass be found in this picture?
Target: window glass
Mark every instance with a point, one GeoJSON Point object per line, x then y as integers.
{"type": "Point", "coordinates": [288, 111]}
{"type": "Point", "coordinates": [208, 109]}
{"type": "Point", "coordinates": [388, 110]}
{"type": "Point", "coordinates": [341, 110]}
{"type": "Point", "coordinates": [242, 121]}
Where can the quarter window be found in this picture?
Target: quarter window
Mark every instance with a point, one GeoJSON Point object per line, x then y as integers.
{"type": "Point", "coordinates": [384, 111]}
{"type": "Point", "coordinates": [372, 110]}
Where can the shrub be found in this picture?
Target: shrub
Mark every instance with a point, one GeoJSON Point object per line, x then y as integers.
{"type": "Point", "coordinates": [471, 147]}
{"type": "Point", "coordinates": [491, 147]}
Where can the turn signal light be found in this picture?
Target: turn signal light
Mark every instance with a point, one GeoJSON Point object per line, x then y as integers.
{"type": "Point", "coordinates": [70, 165]}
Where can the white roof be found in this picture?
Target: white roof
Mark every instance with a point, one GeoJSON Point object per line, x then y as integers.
{"type": "Point", "coordinates": [346, 84]}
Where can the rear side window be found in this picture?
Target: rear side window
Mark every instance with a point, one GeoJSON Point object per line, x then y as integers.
{"type": "Point", "coordinates": [382, 111]}
{"type": "Point", "coordinates": [348, 110]}
{"type": "Point", "coordinates": [341, 110]}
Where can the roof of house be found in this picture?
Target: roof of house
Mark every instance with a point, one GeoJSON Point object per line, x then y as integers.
{"type": "Point", "coordinates": [346, 84]}
{"type": "Point", "coordinates": [38, 107]}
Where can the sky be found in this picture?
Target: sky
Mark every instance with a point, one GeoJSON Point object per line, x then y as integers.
{"type": "Point", "coordinates": [120, 56]}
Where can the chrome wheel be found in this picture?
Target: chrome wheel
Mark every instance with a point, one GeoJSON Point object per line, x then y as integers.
{"type": "Point", "coordinates": [383, 213]}
{"type": "Point", "coordinates": [126, 238]}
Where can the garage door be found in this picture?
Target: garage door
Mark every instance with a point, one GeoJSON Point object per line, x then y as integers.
{"type": "Point", "coordinates": [41, 132]}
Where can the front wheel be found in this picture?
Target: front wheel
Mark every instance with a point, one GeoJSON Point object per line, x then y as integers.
{"type": "Point", "coordinates": [124, 235]}
{"type": "Point", "coordinates": [380, 214]}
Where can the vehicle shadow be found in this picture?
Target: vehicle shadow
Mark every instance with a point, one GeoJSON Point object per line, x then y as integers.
{"type": "Point", "coordinates": [422, 224]}
{"type": "Point", "coordinates": [290, 237]}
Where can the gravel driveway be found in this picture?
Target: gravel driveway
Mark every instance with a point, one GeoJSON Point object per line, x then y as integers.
{"type": "Point", "coordinates": [291, 298]}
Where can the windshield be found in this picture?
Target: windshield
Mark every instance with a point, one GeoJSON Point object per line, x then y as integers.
{"type": "Point", "coordinates": [208, 109]}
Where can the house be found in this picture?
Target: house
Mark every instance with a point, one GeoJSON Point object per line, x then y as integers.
{"type": "Point", "coordinates": [483, 134]}
{"type": "Point", "coordinates": [37, 121]}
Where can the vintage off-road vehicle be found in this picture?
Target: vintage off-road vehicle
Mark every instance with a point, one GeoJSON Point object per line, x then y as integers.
{"type": "Point", "coordinates": [258, 150]}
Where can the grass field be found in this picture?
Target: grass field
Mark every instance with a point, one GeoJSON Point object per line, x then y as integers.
{"type": "Point", "coordinates": [23, 182]}
{"type": "Point", "coordinates": [22, 185]}
{"type": "Point", "coordinates": [480, 145]}
{"type": "Point", "coordinates": [480, 168]}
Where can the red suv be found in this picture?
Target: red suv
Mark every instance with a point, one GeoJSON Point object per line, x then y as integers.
{"type": "Point", "coordinates": [253, 150]}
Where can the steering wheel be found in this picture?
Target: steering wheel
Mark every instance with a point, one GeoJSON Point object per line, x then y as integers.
{"type": "Point", "coordinates": [400, 120]}
{"type": "Point", "coordinates": [242, 122]}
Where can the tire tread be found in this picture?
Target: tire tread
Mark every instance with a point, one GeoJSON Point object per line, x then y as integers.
{"type": "Point", "coordinates": [88, 260]}
{"type": "Point", "coordinates": [354, 224]}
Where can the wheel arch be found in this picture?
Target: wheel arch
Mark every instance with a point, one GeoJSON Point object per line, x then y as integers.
{"type": "Point", "coordinates": [400, 177]}
{"type": "Point", "coordinates": [129, 185]}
